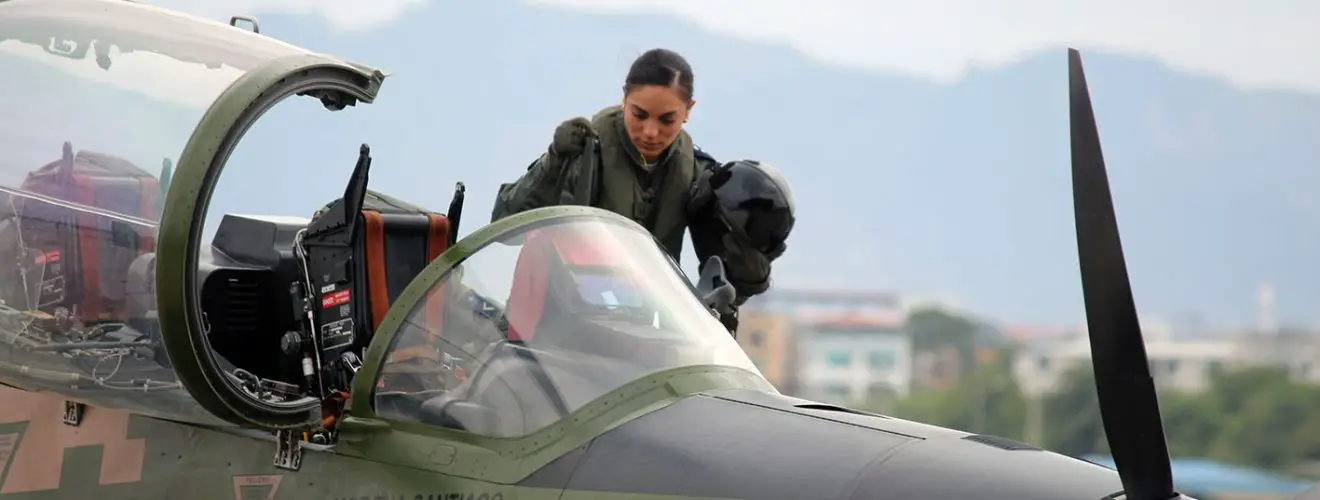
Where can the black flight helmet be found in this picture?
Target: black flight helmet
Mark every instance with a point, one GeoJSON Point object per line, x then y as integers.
{"type": "Point", "coordinates": [756, 204]}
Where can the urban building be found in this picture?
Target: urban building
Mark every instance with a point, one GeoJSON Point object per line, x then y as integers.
{"type": "Point", "coordinates": [768, 340]}
{"type": "Point", "coordinates": [1297, 351]}
{"type": "Point", "coordinates": [777, 329]}
{"type": "Point", "coordinates": [806, 305]}
{"type": "Point", "coordinates": [1180, 365]}
{"type": "Point", "coordinates": [854, 362]}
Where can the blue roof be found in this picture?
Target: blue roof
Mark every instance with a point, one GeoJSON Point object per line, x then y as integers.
{"type": "Point", "coordinates": [1210, 477]}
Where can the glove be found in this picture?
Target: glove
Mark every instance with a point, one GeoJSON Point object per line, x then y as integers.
{"type": "Point", "coordinates": [571, 137]}
{"type": "Point", "coordinates": [747, 270]}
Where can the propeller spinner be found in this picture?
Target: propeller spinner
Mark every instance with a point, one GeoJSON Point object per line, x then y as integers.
{"type": "Point", "coordinates": [1128, 404]}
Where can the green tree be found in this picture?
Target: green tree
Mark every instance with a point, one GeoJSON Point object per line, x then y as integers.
{"type": "Point", "coordinates": [1257, 417]}
{"type": "Point", "coordinates": [1265, 418]}
{"type": "Point", "coordinates": [988, 402]}
{"type": "Point", "coordinates": [1191, 423]}
{"type": "Point", "coordinates": [1072, 423]}
{"type": "Point", "coordinates": [932, 329]}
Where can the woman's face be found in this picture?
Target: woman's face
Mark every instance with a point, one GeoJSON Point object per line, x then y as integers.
{"type": "Point", "coordinates": [654, 116]}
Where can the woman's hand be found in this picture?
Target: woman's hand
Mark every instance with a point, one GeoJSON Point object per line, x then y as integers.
{"type": "Point", "coordinates": [571, 137]}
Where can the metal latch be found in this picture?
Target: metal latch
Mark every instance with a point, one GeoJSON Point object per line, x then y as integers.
{"type": "Point", "coordinates": [73, 413]}
{"type": "Point", "coordinates": [256, 27]}
{"type": "Point", "coordinates": [288, 450]}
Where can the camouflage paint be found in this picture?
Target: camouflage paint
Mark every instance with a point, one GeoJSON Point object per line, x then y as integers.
{"type": "Point", "coordinates": [8, 442]}
{"type": "Point", "coordinates": [38, 467]}
{"type": "Point", "coordinates": [182, 461]}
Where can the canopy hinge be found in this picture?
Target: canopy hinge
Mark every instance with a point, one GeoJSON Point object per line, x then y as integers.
{"type": "Point", "coordinates": [288, 449]}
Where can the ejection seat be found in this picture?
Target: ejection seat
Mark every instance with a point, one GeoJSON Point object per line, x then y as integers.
{"type": "Point", "coordinates": [360, 266]}
{"type": "Point", "coordinates": [393, 243]}
{"type": "Point", "coordinates": [78, 258]}
{"type": "Point", "coordinates": [530, 290]}
{"type": "Point", "coordinates": [397, 242]}
{"type": "Point", "coordinates": [362, 251]}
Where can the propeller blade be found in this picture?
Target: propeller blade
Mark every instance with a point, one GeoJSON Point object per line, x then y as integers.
{"type": "Point", "coordinates": [1128, 405]}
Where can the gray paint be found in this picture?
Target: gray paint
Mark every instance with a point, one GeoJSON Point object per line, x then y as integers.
{"type": "Point", "coordinates": [748, 444]}
{"type": "Point", "coordinates": [703, 446]}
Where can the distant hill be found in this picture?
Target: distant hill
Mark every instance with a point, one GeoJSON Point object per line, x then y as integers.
{"type": "Point", "coordinates": [959, 190]}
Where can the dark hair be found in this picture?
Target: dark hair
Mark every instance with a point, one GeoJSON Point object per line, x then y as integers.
{"type": "Point", "coordinates": [662, 67]}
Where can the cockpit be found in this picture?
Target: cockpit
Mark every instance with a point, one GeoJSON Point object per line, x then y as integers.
{"type": "Point", "coordinates": [542, 320]}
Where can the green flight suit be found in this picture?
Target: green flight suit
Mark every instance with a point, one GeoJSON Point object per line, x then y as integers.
{"type": "Point", "coordinates": [611, 174]}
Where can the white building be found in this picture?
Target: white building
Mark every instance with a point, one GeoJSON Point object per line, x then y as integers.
{"type": "Point", "coordinates": [1296, 351]}
{"type": "Point", "coordinates": [1179, 365]}
{"type": "Point", "coordinates": [854, 363]}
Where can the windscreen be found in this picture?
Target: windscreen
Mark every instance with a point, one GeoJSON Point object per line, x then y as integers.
{"type": "Point", "coordinates": [97, 101]}
{"type": "Point", "coordinates": [543, 321]}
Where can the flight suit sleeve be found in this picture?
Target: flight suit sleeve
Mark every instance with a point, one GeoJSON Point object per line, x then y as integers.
{"type": "Point", "coordinates": [697, 198]}
{"type": "Point", "coordinates": [538, 187]}
{"type": "Point", "coordinates": [564, 174]}
{"type": "Point", "coordinates": [748, 271]}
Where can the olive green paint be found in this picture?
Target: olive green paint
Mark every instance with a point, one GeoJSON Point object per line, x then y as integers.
{"type": "Point", "coordinates": [198, 170]}
{"type": "Point", "coordinates": [195, 463]}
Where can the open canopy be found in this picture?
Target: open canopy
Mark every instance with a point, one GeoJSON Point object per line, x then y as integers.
{"type": "Point", "coordinates": [98, 101]}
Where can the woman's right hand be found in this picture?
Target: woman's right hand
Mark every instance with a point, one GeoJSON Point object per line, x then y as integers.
{"type": "Point", "coordinates": [571, 137]}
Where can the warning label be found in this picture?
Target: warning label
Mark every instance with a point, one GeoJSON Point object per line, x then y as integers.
{"type": "Point", "coordinates": [338, 298]}
{"type": "Point", "coordinates": [50, 257]}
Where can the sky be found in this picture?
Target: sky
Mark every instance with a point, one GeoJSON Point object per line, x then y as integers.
{"type": "Point", "coordinates": [1254, 44]}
